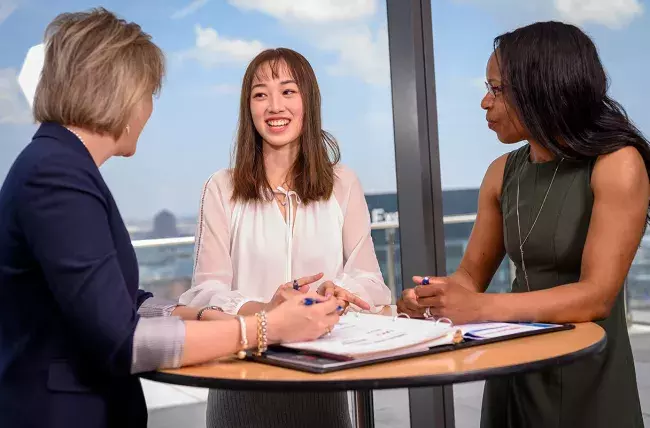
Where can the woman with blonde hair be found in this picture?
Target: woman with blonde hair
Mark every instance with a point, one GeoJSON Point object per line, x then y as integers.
{"type": "Point", "coordinates": [75, 327]}
{"type": "Point", "coordinates": [287, 213]}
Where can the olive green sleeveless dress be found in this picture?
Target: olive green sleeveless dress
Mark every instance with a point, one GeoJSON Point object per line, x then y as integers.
{"type": "Point", "coordinates": [595, 392]}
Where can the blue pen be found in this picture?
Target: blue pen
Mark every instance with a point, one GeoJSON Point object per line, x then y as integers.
{"type": "Point", "coordinates": [309, 301]}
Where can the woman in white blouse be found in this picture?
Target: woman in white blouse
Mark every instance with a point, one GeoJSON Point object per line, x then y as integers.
{"type": "Point", "coordinates": [286, 213]}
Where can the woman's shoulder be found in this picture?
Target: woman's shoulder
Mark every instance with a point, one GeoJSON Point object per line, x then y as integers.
{"type": "Point", "coordinates": [220, 180]}
{"type": "Point", "coordinates": [345, 176]}
{"type": "Point", "coordinates": [621, 171]}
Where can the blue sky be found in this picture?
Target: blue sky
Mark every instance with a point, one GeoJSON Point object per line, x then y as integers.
{"type": "Point", "coordinates": [209, 42]}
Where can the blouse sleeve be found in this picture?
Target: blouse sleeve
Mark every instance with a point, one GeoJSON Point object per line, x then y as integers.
{"type": "Point", "coordinates": [361, 274]}
{"type": "Point", "coordinates": [213, 272]}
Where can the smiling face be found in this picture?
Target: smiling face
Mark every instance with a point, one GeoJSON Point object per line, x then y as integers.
{"type": "Point", "coordinates": [276, 106]}
{"type": "Point", "coordinates": [502, 118]}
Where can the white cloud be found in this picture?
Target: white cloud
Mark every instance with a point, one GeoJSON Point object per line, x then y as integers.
{"type": "Point", "coordinates": [30, 74]}
{"type": "Point", "coordinates": [189, 9]}
{"type": "Point", "coordinates": [361, 54]}
{"type": "Point", "coordinates": [611, 13]}
{"type": "Point", "coordinates": [614, 14]}
{"type": "Point", "coordinates": [310, 10]}
{"type": "Point", "coordinates": [7, 7]}
{"type": "Point", "coordinates": [13, 106]}
{"type": "Point", "coordinates": [212, 49]}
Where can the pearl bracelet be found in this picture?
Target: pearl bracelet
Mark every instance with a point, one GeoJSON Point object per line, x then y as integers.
{"type": "Point", "coordinates": [244, 340]}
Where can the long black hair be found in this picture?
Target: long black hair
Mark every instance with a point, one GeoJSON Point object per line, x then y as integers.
{"type": "Point", "coordinates": [554, 79]}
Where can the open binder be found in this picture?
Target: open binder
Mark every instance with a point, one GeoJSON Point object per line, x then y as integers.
{"type": "Point", "coordinates": [360, 339]}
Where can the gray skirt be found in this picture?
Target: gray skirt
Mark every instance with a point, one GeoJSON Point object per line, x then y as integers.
{"type": "Point", "coordinates": [244, 409]}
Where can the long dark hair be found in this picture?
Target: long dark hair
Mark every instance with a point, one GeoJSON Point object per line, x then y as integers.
{"type": "Point", "coordinates": [554, 79]}
{"type": "Point", "coordinates": [312, 174]}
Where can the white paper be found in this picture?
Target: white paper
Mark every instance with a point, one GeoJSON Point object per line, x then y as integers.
{"type": "Point", "coordinates": [362, 334]}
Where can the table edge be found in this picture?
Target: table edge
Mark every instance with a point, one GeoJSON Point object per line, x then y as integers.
{"type": "Point", "coordinates": [371, 383]}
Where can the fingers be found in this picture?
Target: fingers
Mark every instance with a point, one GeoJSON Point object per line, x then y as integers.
{"type": "Point", "coordinates": [326, 288]}
{"type": "Point", "coordinates": [430, 290]}
{"type": "Point", "coordinates": [403, 309]}
{"type": "Point", "coordinates": [432, 302]}
{"type": "Point", "coordinates": [340, 293]}
{"type": "Point", "coordinates": [355, 300]}
{"type": "Point", "coordinates": [306, 280]}
{"type": "Point", "coordinates": [427, 280]}
{"type": "Point", "coordinates": [410, 299]}
{"type": "Point", "coordinates": [328, 306]}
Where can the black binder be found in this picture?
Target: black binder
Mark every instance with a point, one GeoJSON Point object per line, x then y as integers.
{"type": "Point", "coordinates": [317, 363]}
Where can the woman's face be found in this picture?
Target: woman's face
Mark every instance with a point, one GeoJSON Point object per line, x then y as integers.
{"type": "Point", "coordinates": [500, 115]}
{"type": "Point", "coordinates": [276, 106]}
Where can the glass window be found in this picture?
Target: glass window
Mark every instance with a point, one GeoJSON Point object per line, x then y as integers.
{"type": "Point", "coordinates": [190, 134]}
{"type": "Point", "coordinates": [467, 146]}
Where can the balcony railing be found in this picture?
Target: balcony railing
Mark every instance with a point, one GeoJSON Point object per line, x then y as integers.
{"type": "Point", "coordinates": [166, 263]}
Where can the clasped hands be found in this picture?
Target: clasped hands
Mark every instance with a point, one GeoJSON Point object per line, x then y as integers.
{"type": "Point", "coordinates": [326, 289]}
{"type": "Point", "coordinates": [444, 297]}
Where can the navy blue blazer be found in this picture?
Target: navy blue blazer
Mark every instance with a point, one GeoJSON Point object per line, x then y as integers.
{"type": "Point", "coordinates": [69, 293]}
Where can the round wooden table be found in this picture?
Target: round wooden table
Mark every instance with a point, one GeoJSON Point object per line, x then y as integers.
{"type": "Point", "coordinates": [469, 364]}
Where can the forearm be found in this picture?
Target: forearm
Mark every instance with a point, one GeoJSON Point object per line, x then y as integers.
{"type": "Point", "coordinates": [208, 340]}
{"type": "Point", "coordinates": [186, 313]}
{"type": "Point", "coordinates": [168, 342]}
{"type": "Point", "coordinates": [461, 276]}
{"type": "Point", "coordinates": [576, 302]}
{"type": "Point", "coordinates": [252, 307]}
{"type": "Point", "coordinates": [155, 307]}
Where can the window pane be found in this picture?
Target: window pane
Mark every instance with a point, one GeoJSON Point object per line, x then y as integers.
{"type": "Point", "coordinates": [208, 45]}
{"type": "Point", "coordinates": [467, 146]}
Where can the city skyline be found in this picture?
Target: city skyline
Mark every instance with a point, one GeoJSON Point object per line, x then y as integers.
{"type": "Point", "coordinates": [209, 42]}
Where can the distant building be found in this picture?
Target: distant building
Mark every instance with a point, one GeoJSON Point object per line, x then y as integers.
{"type": "Point", "coordinates": [164, 226]}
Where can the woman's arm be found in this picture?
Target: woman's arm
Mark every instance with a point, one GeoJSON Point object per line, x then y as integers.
{"type": "Point", "coordinates": [621, 193]}
{"type": "Point", "coordinates": [152, 307]}
{"type": "Point", "coordinates": [361, 274]}
{"type": "Point", "coordinates": [484, 253]}
{"type": "Point", "coordinates": [161, 344]}
{"type": "Point", "coordinates": [213, 273]}
{"type": "Point", "coordinates": [485, 248]}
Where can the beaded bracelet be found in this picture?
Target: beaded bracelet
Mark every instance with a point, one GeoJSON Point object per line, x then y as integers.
{"type": "Point", "coordinates": [262, 339]}
{"type": "Point", "coordinates": [200, 313]}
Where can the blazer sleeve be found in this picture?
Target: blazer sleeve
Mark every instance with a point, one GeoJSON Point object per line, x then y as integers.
{"type": "Point", "coordinates": [64, 217]}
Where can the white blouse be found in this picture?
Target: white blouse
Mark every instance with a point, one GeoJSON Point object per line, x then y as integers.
{"type": "Point", "coordinates": [245, 250]}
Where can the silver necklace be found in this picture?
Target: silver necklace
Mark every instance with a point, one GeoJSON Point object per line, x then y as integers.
{"type": "Point", "coordinates": [521, 243]}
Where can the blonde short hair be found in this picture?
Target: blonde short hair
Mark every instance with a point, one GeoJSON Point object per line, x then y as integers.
{"type": "Point", "coordinates": [97, 68]}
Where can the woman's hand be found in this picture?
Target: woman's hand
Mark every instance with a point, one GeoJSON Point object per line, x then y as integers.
{"type": "Point", "coordinates": [285, 291]}
{"type": "Point", "coordinates": [445, 298]}
{"type": "Point", "coordinates": [408, 304]}
{"type": "Point", "coordinates": [293, 321]}
{"type": "Point", "coordinates": [328, 288]}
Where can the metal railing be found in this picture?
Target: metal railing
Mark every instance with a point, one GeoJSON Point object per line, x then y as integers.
{"type": "Point", "coordinates": [389, 227]}
{"type": "Point", "coordinates": [637, 308]}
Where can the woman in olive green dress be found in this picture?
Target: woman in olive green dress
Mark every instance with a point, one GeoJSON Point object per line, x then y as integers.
{"type": "Point", "coordinates": [569, 208]}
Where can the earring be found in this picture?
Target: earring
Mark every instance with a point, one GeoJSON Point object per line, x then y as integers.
{"type": "Point", "coordinates": [128, 129]}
